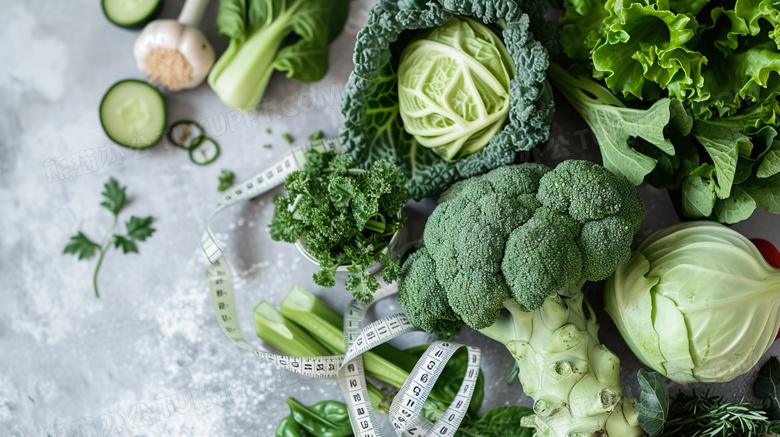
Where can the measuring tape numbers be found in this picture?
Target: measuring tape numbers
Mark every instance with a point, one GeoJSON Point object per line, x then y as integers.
{"type": "Point", "coordinates": [406, 408]}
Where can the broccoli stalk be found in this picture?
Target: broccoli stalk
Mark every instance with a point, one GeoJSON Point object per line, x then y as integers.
{"type": "Point", "coordinates": [574, 380]}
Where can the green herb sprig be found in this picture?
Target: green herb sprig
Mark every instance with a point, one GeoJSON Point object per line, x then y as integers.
{"type": "Point", "coordinates": [225, 180]}
{"type": "Point", "coordinates": [138, 229]}
{"type": "Point", "coordinates": [709, 416]}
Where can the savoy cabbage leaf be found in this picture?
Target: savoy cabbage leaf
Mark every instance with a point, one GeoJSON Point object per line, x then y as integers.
{"type": "Point", "coordinates": [374, 130]}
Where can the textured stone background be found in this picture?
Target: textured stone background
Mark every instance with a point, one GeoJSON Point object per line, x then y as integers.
{"type": "Point", "coordinates": [74, 365]}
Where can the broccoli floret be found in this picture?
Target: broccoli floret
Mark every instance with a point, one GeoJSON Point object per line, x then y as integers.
{"type": "Point", "coordinates": [433, 313]}
{"type": "Point", "coordinates": [466, 236]}
{"type": "Point", "coordinates": [542, 257]}
{"type": "Point", "coordinates": [522, 232]}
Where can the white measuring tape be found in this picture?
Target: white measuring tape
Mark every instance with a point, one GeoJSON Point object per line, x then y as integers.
{"type": "Point", "coordinates": [406, 408]}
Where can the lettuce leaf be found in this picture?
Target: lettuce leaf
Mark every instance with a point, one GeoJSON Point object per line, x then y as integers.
{"type": "Point", "coordinates": [720, 63]}
{"type": "Point", "coordinates": [644, 51]}
{"type": "Point", "coordinates": [581, 25]}
{"type": "Point", "coordinates": [770, 164]}
{"type": "Point", "coordinates": [615, 125]}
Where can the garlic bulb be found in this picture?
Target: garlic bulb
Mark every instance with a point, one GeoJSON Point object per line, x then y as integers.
{"type": "Point", "coordinates": [174, 53]}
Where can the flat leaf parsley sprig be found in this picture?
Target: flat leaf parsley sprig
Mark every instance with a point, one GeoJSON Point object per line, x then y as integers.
{"type": "Point", "coordinates": [138, 229]}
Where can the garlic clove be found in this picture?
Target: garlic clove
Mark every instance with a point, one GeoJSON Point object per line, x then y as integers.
{"type": "Point", "coordinates": [166, 34]}
{"type": "Point", "coordinates": [198, 51]}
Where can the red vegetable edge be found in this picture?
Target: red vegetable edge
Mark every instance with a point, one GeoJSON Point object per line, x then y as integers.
{"type": "Point", "coordinates": [771, 255]}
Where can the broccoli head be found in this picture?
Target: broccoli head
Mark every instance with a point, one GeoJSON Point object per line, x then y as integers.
{"type": "Point", "coordinates": [522, 232]}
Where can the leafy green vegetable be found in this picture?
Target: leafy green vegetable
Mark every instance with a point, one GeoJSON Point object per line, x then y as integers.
{"type": "Point", "coordinates": [342, 216]}
{"type": "Point", "coordinates": [765, 387]}
{"type": "Point", "coordinates": [653, 406]}
{"type": "Point", "coordinates": [615, 125]}
{"type": "Point", "coordinates": [468, 54]}
{"type": "Point", "coordinates": [770, 165]}
{"type": "Point", "coordinates": [699, 192]}
{"type": "Point", "coordinates": [579, 27]}
{"type": "Point", "coordinates": [643, 49]}
{"type": "Point", "coordinates": [765, 192]}
{"type": "Point", "coordinates": [225, 180]}
{"type": "Point", "coordinates": [323, 419]}
{"type": "Point", "coordinates": [287, 137]}
{"type": "Point", "coordinates": [696, 302]}
{"type": "Point", "coordinates": [267, 146]}
{"type": "Point", "coordinates": [712, 57]}
{"type": "Point", "coordinates": [518, 238]}
{"type": "Point", "coordinates": [499, 422]}
{"type": "Point", "coordinates": [269, 35]}
{"type": "Point", "coordinates": [374, 129]}
{"type": "Point", "coordinates": [316, 135]}
{"type": "Point", "coordinates": [138, 229]}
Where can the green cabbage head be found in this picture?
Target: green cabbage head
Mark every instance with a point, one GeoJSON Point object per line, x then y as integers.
{"type": "Point", "coordinates": [453, 87]}
{"type": "Point", "coordinates": [696, 302]}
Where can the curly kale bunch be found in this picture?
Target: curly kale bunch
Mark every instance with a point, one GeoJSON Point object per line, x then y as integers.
{"type": "Point", "coordinates": [343, 216]}
{"type": "Point", "coordinates": [521, 233]}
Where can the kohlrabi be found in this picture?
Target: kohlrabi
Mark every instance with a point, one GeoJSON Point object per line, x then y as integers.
{"type": "Point", "coordinates": [697, 302]}
{"type": "Point", "coordinates": [453, 87]}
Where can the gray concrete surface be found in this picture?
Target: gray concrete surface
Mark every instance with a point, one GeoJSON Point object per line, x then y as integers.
{"type": "Point", "coordinates": [148, 358]}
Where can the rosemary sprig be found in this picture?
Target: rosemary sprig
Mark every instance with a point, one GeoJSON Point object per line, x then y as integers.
{"type": "Point", "coordinates": [693, 416]}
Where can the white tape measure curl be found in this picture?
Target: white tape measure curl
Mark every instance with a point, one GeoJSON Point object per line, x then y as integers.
{"type": "Point", "coordinates": [406, 408]}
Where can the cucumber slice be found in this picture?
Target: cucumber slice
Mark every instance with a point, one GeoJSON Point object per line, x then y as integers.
{"type": "Point", "coordinates": [132, 114]}
{"type": "Point", "coordinates": [132, 14]}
